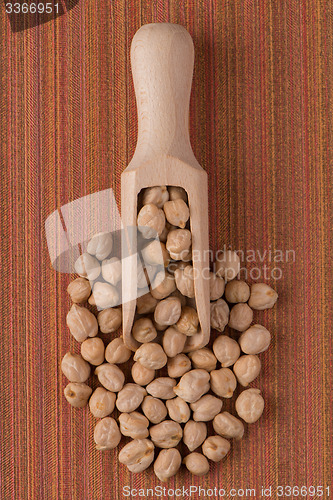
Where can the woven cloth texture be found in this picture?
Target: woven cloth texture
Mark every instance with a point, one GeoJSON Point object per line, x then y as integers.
{"type": "Point", "coordinates": [261, 125]}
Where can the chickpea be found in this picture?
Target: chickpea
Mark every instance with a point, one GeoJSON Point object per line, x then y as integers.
{"type": "Point", "coordinates": [159, 328]}
{"type": "Point", "coordinates": [146, 304]}
{"type": "Point", "coordinates": [173, 342]}
{"type": "Point", "coordinates": [130, 397]}
{"type": "Point", "coordinates": [116, 352]}
{"type": "Point", "coordinates": [219, 315]}
{"type": "Point", "coordinates": [226, 350]}
{"type": "Point", "coordinates": [105, 295]}
{"type": "Point", "coordinates": [137, 455]}
{"type": "Point", "coordinates": [144, 274]}
{"type": "Point", "coordinates": [163, 285]}
{"type": "Point", "coordinates": [247, 368]}
{"type": "Point", "coordinates": [162, 388]}
{"type": "Point", "coordinates": [134, 425]}
{"type": "Point", "coordinates": [151, 221]}
{"type": "Point", "coordinates": [194, 434]}
{"type": "Point", "coordinates": [107, 435]}
{"type": "Point", "coordinates": [75, 368]}
{"type": "Point", "coordinates": [203, 359]}
{"type": "Point", "coordinates": [206, 408]}
{"type": "Point", "coordinates": [92, 350]}
{"type": "Point", "coordinates": [154, 409]}
{"type": "Point", "coordinates": [215, 448]}
{"type": "Point", "coordinates": [109, 320]}
{"type": "Point", "coordinates": [156, 254]}
{"type": "Point", "coordinates": [79, 290]}
{"type": "Point", "coordinates": [185, 281]}
{"type": "Point", "coordinates": [193, 385]}
{"type": "Point", "coordinates": [81, 323]}
{"type": "Point", "coordinates": [157, 195]}
{"type": "Point", "coordinates": [111, 270]}
{"type": "Point", "coordinates": [250, 405]}
{"type": "Point", "coordinates": [151, 356]}
{"type": "Point", "coordinates": [168, 311]}
{"type": "Point", "coordinates": [262, 297]}
{"type": "Point", "coordinates": [255, 340]}
{"type": "Point", "coordinates": [87, 266]}
{"type": "Point", "coordinates": [167, 434]}
{"type": "Point", "coordinates": [178, 366]}
{"type": "Point", "coordinates": [167, 463]}
{"type": "Point", "coordinates": [228, 426]}
{"type": "Point", "coordinates": [110, 376]}
{"type": "Point", "coordinates": [178, 243]}
{"type": "Point", "coordinates": [223, 382]}
{"type": "Point", "coordinates": [188, 321]}
{"type": "Point", "coordinates": [143, 330]}
{"type": "Point", "coordinates": [228, 265]}
{"type": "Point", "coordinates": [102, 402]}
{"type": "Point", "coordinates": [142, 375]}
{"type": "Point", "coordinates": [176, 212]}
{"type": "Point", "coordinates": [176, 264]}
{"type": "Point", "coordinates": [178, 409]}
{"type": "Point", "coordinates": [177, 193]}
{"type": "Point", "coordinates": [216, 286]}
{"type": "Point", "coordinates": [241, 316]}
{"type": "Point", "coordinates": [197, 464]}
{"type": "Point", "coordinates": [237, 291]}
{"type": "Point", "coordinates": [77, 394]}
{"type": "Point", "coordinates": [100, 245]}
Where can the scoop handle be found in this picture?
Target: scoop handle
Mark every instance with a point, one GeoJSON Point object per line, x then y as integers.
{"type": "Point", "coordinates": [162, 57]}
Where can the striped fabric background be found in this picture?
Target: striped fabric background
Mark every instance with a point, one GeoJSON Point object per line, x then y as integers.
{"type": "Point", "coordinates": [261, 125]}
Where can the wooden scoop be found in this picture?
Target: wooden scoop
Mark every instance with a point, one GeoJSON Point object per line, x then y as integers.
{"type": "Point", "coordinates": [162, 58]}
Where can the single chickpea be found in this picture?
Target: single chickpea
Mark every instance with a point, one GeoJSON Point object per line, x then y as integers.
{"type": "Point", "coordinates": [109, 320]}
{"type": "Point", "coordinates": [250, 405]}
{"type": "Point", "coordinates": [262, 297]}
{"type": "Point", "coordinates": [105, 295]}
{"type": "Point", "coordinates": [227, 265]}
{"type": "Point", "coordinates": [168, 311]}
{"type": "Point", "coordinates": [111, 270]}
{"type": "Point", "coordinates": [130, 397]}
{"type": "Point", "coordinates": [146, 304]}
{"type": "Point", "coordinates": [134, 425]}
{"type": "Point", "coordinates": [194, 434]}
{"type": "Point", "coordinates": [163, 285]}
{"type": "Point", "coordinates": [79, 290]}
{"type": "Point", "coordinates": [143, 330]}
{"type": "Point", "coordinates": [206, 408]}
{"type": "Point", "coordinates": [167, 463]}
{"type": "Point", "coordinates": [167, 434]}
{"type": "Point", "coordinates": [255, 340]}
{"type": "Point", "coordinates": [223, 382]}
{"type": "Point", "coordinates": [102, 402]}
{"type": "Point", "coordinates": [162, 388]}
{"type": "Point", "coordinates": [173, 342]}
{"type": "Point", "coordinates": [81, 323]}
{"type": "Point", "coordinates": [241, 316]}
{"type": "Point", "coordinates": [156, 254]}
{"type": "Point", "coordinates": [116, 352]}
{"type": "Point", "coordinates": [100, 245]}
{"type": "Point", "coordinates": [110, 376]}
{"type": "Point", "coordinates": [137, 455]}
{"type": "Point", "coordinates": [216, 286]}
{"type": "Point", "coordinates": [178, 243]}
{"type": "Point", "coordinates": [247, 368]}
{"type": "Point", "coordinates": [228, 426]}
{"type": "Point", "coordinates": [226, 350]}
{"type": "Point", "coordinates": [178, 409]}
{"type": "Point", "coordinates": [87, 267]}
{"type": "Point", "coordinates": [237, 291]}
{"type": "Point", "coordinates": [178, 366]}
{"type": "Point", "coordinates": [142, 375]}
{"type": "Point", "coordinates": [203, 359]}
{"type": "Point", "coordinates": [92, 350]}
{"type": "Point", "coordinates": [176, 212]}
{"type": "Point", "coordinates": [197, 464]}
{"type": "Point", "coordinates": [151, 221]}
{"type": "Point", "coordinates": [106, 434]}
{"type": "Point", "coordinates": [188, 321]}
{"type": "Point", "coordinates": [219, 315]}
{"type": "Point", "coordinates": [75, 368]}
{"type": "Point", "coordinates": [193, 385]}
{"type": "Point", "coordinates": [157, 195]}
{"type": "Point", "coordinates": [154, 409]}
{"type": "Point", "coordinates": [185, 281]}
{"type": "Point", "coordinates": [177, 193]}
{"type": "Point", "coordinates": [215, 448]}
{"type": "Point", "coordinates": [77, 394]}
{"type": "Point", "coordinates": [151, 355]}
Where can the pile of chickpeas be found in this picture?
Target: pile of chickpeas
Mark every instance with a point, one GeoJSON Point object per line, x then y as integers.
{"type": "Point", "coordinates": [172, 395]}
